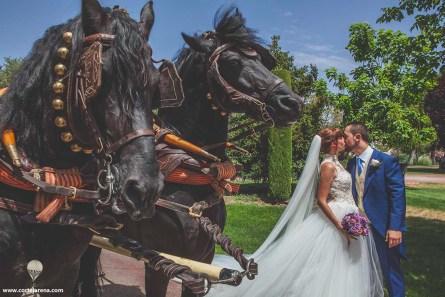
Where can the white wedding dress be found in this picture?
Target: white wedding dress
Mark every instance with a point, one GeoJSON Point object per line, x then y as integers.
{"type": "Point", "coordinates": [305, 255]}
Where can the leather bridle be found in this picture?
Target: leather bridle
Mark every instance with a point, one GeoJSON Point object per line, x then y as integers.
{"type": "Point", "coordinates": [83, 86]}
{"type": "Point", "coordinates": [86, 87]}
{"type": "Point", "coordinates": [235, 95]}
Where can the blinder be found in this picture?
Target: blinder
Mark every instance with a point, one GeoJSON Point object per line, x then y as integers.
{"type": "Point", "coordinates": [266, 57]}
{"type": "Point", "coordinates": [170, 86]}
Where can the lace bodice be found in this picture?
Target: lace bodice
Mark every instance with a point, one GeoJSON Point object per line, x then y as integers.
{"type": "Point", "coordinates": [341, 189]}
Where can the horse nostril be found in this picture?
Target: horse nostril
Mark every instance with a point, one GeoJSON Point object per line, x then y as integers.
{"type": "Point", "coordinates": [134, 190]}
{"type": "Point", "coordinates": [287, 109]}
{"type": "Point", "coordinates": [140, 195]}
{"type": "Point", "coordinates": [290, 104]}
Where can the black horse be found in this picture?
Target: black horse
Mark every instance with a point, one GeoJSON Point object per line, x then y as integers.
{"type": "Point", "coordinates": [240, 81]}
{"type": "Point", "coordinates": [223, 71]}
{"type": "Point", "coordinates": [120, 108]}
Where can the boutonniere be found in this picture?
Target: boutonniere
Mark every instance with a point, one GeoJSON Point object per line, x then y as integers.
{"type": "Point", "coordinates": [375, 163]}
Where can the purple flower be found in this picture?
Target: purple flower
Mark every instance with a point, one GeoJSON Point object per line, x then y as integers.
{"type": "Point", "coordinates": [355, 224]}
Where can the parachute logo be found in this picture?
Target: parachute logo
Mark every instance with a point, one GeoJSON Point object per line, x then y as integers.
{"type": "Point", "coordinates": [35, 268]}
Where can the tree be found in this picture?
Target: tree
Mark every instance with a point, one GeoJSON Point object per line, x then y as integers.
{"type": "Point", "coordinates": [429, 22]}
{"type": "Point", "coordinates": [306, 83]}
{"type": "Point", "coordinates": [8, 70]}
{"type": "Point", "coordinates": [386, 90]}
{"type": "Point", "coordinates": [279, 155]}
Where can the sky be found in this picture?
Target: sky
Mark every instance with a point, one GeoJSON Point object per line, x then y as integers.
{"type": "Point", "coordinates": [313, 31]}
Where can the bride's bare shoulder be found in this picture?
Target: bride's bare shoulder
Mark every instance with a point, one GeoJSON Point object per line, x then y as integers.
{"type": "Point", "coordinates": [328, 168]}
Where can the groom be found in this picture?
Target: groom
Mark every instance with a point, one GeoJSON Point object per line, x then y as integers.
{"type": "Point", "coordinates": [379, 190]}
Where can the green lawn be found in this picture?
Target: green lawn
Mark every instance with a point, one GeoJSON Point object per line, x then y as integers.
{"type": "Point", "coordinates": [425, 268]}
{"type": "Point", "coordinates": [431, 197]}
{"type": "Point", "coordinates": [248, 224]}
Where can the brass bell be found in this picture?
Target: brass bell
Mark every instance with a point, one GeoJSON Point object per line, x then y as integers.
{"type": "Point", "coordinates": [223, 113]}
{"type": "Point", "coordinates": [66, 137]}
{"type": "Point", "coordinates": [60, 69]}
{"type": "Point", "coordinates": [63, 52]}
{"type": "Point", "coordinates": [209, 96]}
{"type": "Point", "coordinates": [68, 37]}
{"type": "Point", "coordinates": [75, 148]}
{"type": "Point", "coordinates": [60, 122]}
{"type": "Point", "coordinates": [88, 151]}
{"type": "Point", "coordinates": [58, 104]}
{"type": "Point", "coordinates": [214, 107]}
{"type": "Point", "coordinates": [58, 87]}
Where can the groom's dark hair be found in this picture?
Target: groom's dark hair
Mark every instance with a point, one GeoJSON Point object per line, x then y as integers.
{"type": "Point", "coordinates": [359, 128]}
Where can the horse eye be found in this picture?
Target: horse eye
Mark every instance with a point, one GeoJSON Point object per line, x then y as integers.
{"type": "Point", "coordinates": [234, 62]}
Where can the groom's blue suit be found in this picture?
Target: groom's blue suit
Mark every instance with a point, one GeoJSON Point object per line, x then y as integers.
{"type": "Point", "coordinates": [385, 205]}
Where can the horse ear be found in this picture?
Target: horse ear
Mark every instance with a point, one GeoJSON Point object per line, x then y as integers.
{"type": "Point", "coordinates": [147, 19]}
{"type": "Point", "coordinates": [93, 17]}
{"type": "Point", "coordinates": [198, 44]}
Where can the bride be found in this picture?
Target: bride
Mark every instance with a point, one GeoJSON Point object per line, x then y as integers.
{"type": "Point", "coordinates": [308, 254]}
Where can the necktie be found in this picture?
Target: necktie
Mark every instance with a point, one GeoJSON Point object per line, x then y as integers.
{"type": "Point", "coordinates": [359, 166]}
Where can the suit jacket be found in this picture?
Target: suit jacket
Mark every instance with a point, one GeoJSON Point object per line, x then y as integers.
{"type": "Point", "coordinates": [384, 198]}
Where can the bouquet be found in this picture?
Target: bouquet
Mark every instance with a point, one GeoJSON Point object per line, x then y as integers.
{"type": "Point", "coordinates": [355, 224]}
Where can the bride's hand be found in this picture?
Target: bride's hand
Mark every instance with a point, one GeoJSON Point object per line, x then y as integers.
{"type": "Point", "coordinates": [349, 237]}
{"type": "Point", "coordinates": [345, 234]}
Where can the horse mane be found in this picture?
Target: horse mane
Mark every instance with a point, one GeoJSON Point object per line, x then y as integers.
{"type": "Point", "coordinates": [26, 107]}
{"type": "Point", "coordinates": [230, 27]}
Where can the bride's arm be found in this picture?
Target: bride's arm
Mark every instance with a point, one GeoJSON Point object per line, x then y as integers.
{"type": "Point", "coordinates": [327, 175]}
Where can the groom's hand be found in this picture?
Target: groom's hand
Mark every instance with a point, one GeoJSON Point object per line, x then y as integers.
{"type": "Point", "coordinates": [394, 238]}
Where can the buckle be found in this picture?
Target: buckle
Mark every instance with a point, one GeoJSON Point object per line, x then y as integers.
{"type": "Point", "coordinates": [72, 196]}
{"type": "Point", "coordinates": [195, 212]}
{"type": "Point", "coordinates": [67, 205]}
{"type": "Point", "coordinates": [36, 173]}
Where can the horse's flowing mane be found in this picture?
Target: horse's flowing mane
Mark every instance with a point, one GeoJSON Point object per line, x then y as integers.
{"type": "Point", "coordinates": [27, 105]}
{"type": "Point", "coordinates": [230, 27]}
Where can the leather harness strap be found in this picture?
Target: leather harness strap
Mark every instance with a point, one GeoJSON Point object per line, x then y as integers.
{"type": "Point", "coordinates": [71, 192]}
{"type": "Point", "coordinates": [194, 211]}
{"type": "Point", "coordinates": [128, 138]}
{"type": "Point", "coordinates": [101, 37]}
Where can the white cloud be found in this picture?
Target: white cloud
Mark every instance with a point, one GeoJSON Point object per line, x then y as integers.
{"type": "Point", "coordinates": [288, 13]}
{"type": "Point", "coordinates": [323, 60]}
{"type": "Point", "coordinates": [319, 47]}
{"type": "Point", "coordinates": [308, 48]}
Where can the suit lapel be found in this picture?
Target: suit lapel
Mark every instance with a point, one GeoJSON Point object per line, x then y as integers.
{"type": "Point", "coordinates": [370, 171]}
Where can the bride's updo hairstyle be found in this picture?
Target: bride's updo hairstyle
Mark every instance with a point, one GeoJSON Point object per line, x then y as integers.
{"type": "Point", "coordinates": [328, 136]}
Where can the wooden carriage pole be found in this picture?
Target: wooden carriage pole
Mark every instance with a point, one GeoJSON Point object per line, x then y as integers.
{"type": "Point", "coordinates": [214, 273]}
{"type": "Point", "coordinates": [279, 155]}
